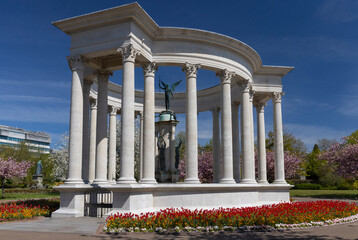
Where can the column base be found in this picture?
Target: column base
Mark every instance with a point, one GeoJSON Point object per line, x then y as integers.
{"type": "Point", "coordinates": [227, 180]}
{"type": "Point", "coordinates": [124, 180]}
{"type": "Point", "coordinates": [74, 181]}
{"type": "Point", "coordinates": [263, 182]}
{"type": "Point", "coordinates": [280, 181]}
{"type": "Point", "coordinates": [148, 181]}
{"type": "Point", "coordinates": [192, 180]}
{"type": "Point", "coordinates": [248, 181]}
{"type": "Point", "coordinates": [100, 181]}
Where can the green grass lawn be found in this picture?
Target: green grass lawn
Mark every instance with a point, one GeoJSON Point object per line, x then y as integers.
{"type": "Point", "coordinates": [15, 196]}
{"type": "Point", "coordinates": [339, 194]}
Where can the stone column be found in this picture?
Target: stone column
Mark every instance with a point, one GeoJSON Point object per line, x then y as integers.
{"type": "Point", "coordinates": [112, 144]}
{"type": "Point", "coordinates": [248, 162]}
{"type": "Point", "coordinates": [252, 93]}
{"type": "Point", "coordinates": [85, 138]}
{"type": "Point", "coordinates": [191, 132]}
{"type": "Point", "coordinates": [76, 121]}
{"type": "Point", "coordinates": [127, 115]}
{"type": "Point", "coordinates": [216, 144]}
{"type": "Point", "coordinates": [141, 141]}
{"type": "Point", "coordinates": [278, 144]}
{"type": "Point", "coordinates": [92, 148]}
{"type": "Point", "coordinates": [101, 135]}
{"type": "Point", "coordinates": [149, 124]}
{"type": "Point", "coordinates": [226, 127]}
{"type": "Point", "coordinates": [236, 142]}
{"type": "Point", "coordinates": [261, 143]}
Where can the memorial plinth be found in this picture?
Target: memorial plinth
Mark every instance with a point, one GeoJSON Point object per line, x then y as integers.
{"type": "Point", "coordinates": [165, 171]}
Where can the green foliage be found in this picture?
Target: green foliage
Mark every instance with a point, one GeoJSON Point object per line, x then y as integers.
{"type": "Point", "coordinates": [337, 194]}
{"type": "Point", "coordinates": [290, 143]}
{"type": "Point", "coordinates": [353, 138]}
{"type": "Point", "coordinates": [208, 147]}
{"type": "Point", "coordinates": [22, 153]}
{"type": "Point", "coordinates": [312, 186]}
{"type": "Point", "coordinates": [313, 165]}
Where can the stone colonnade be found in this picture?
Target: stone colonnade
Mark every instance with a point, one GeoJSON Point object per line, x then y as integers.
{"type": "Point", "coordinates": [89, 144]}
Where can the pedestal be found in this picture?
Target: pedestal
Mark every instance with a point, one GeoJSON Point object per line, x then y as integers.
{"type": "Point", "coordinates": [38, 181]}
{"type": "Point", "coordinates": [165, 149]}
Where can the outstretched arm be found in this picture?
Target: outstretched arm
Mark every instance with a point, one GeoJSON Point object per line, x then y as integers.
{"type": "Point", "coordinates": [161, 85]}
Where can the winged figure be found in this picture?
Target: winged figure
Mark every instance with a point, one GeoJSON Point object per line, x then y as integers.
{"type": "Point", "coordinates": [168, 92]}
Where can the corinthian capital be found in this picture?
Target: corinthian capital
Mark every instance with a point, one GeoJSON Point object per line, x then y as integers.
{"type": "Point", "coordinates": [76, 62]}
{"type": "Point", "coordinates": [149, 69]}
{"type": "Point", "coordinates": [276, 96]}
{"type": "Point", "coordinates": [191, 70]}
{"type": "Point", "coordinates": [129, 53]}
{"type": "Point", "coordinates": [246, 86]}
{"type": "Point", "coordinates": [260, 107]}
{"type": "Point", "coordinates": [103, 75]}
{"type": "Point", "coordinates": [93, 103]}
{"type": "Point", "coordinates": [225, 76]}
{"type": "Point", "coordinates": [112, 110]}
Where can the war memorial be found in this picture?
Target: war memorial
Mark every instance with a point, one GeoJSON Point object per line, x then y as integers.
{"type": "Point", "coordinates": [125, 38]}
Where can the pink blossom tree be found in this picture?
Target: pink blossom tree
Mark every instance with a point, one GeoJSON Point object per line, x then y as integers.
{"type": "Point", "coordinates": [10, 168]}
{"type": "Point", "coordinates": [293, 164]}
{"type": "Point", "coordinates": [342, 158]}
{"type": "Point", "coordinates": [205, 167]}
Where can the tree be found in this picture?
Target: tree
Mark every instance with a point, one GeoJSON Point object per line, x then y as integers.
{"type": "Point", "coordinates": [342, 158]}
{"type": "Point", "coordinates": [290, 143]}
{"type": "Point", "coordinates": [136, 148]}
{"type": "Point", "coordinates": [313, 164]}
{"type": "Point", "coordinates": [59, 157]}
{"type": "Point", "coordinates": [352, 139]}
{"type": "Point", "coordinates": [10, 168]}
{"type": "Point", "coordinates": [21, 152]}
{"type": "Point", "coordinates": [205, 167]}
{"type": "Point", "coordinates": [292, 163]}
{"type": "Point", "coordinates": [324, 143]}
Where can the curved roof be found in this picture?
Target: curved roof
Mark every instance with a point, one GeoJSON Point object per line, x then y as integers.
{"type": "Point", "coordinates": [135, 13]}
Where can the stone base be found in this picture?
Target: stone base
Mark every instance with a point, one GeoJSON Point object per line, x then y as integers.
{"type": "Point", "coordinates": [138, 198]}
{"type": "Point", "coordinates": [71, 200]}
{"type": "Point", "coordinates": [38, 180]}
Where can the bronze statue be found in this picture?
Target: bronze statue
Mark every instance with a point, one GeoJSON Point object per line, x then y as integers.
{"type": "Point", "coordinates": [39, 168]}
{"type": "Point", "coordinates": [161, 148]}
{"type": "Point", "coordinates": [177, 153]}
{"type": "Point", "coordinates": [168, 92]}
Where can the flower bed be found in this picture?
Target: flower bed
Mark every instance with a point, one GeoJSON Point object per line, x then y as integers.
{"type": "Point", "coordinates": [267, 217]}
{"type": "Point", "coordinates": [11, 211]}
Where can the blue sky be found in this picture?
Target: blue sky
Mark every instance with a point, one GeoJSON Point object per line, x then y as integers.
{"type": "Point", "coordinates": [318, 38]}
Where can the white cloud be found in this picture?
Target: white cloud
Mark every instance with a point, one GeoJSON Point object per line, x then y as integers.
{"type": "Point", "coordinates": [309, 134]}
{"type": "Point", "coordinates": [338, 11]}
{"type": "Point", "coordinates": [36, 83]}
{"type": "Point", "coordinates": [19, 98]}
{"type": "Point", "coordinates": [34, 114]}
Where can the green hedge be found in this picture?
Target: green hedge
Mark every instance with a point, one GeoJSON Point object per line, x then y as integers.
{"type": "Point", "coordinates": [308, 186]}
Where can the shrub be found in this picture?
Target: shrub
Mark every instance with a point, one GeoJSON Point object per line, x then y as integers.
{"type": "Point", "coordinates": [308, 186]}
